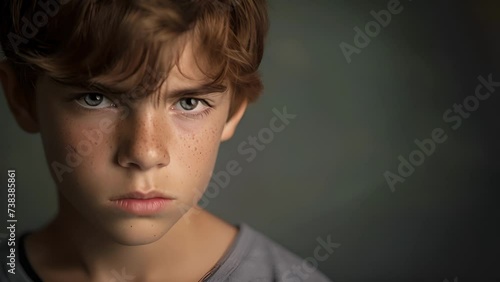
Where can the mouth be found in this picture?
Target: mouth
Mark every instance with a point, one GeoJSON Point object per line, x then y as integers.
{"type": "Point", "coordinates": [143, 196]}
{"type": "Point", "coordinates": [142, 204]}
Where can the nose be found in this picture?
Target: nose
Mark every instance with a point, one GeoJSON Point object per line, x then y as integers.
{"type": "Point", "coordinates": [142, 141]}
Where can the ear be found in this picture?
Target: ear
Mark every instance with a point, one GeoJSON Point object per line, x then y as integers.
{"type": "Point", "coordinates": [232, 123]}
{"type": "Point", "coordinates": [21, 103]}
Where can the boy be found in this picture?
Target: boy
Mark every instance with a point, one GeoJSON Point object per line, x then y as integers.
{"type": "Point", "coordinates": [132, 99]}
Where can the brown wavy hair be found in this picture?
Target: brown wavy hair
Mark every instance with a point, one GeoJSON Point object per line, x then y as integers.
{"type": "Point", "coordinates": [117, 44]}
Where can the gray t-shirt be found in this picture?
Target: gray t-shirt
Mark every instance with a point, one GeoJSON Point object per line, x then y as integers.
{"type": "Point", "coordinates": [252, 257]}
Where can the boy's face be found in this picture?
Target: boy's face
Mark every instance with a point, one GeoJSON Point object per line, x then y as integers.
{"type": "Point", "coordinates": [97, 151]}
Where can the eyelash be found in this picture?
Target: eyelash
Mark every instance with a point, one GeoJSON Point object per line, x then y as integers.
{"type": "Point", "coordinates": [201, 114]}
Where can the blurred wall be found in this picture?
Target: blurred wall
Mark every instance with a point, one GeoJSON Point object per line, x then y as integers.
{"type": "Point", "coordinates": [323, 175]}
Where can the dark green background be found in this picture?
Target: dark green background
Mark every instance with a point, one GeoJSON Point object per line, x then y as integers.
{"type": "Point", "coordinates": [323, 175]}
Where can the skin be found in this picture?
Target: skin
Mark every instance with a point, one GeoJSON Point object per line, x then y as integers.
{"type": "Point", "coordinates": [161, 147]}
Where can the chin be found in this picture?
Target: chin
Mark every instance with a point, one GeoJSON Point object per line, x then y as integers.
{"type": "Point", "coordinates": [138, 231]}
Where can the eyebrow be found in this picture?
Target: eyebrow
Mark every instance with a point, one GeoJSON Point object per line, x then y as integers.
{"type": "Point", "coordinates": [192, 91]}
{"type": "Point", "coordinates": [196, 91]}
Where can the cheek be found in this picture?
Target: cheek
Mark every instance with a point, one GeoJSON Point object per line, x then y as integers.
{"type": "Point", "coordinates": [75, 151]}
{"type": "Point", "coordinates": [196, 152]}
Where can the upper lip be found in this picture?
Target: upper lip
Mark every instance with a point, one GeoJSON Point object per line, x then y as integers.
{"type": "Point", "coordinates": [142, 195]}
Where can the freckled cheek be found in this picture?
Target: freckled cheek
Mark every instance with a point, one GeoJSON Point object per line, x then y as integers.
{"type": "Point", "coordinates": [197, 151]}
{"type": "Point", "coordinates": [199, 141]}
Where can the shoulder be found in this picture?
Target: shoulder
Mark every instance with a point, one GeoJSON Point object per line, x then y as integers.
{"type": "Point", "coordinates": [255, 257]}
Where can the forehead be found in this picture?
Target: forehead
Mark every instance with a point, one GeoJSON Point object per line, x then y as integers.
{"type": "Point", "coordinates": [182, 65]}
{"type": "Point", "coordinates": [190, 67]}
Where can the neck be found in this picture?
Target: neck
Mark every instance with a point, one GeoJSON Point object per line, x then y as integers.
{"type": "Point", "coordinates": [189, 248]}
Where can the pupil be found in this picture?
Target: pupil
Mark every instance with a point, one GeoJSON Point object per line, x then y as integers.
{"type": "Point", "coordinates": [189, 104]}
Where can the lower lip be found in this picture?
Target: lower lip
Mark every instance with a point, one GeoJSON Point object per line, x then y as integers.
{"type": "Point", "coordinates": [142, 206]}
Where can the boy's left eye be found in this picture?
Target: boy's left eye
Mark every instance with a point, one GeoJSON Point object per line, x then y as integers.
{"type": "Point", "coordinates": [191, 105]}
{"type": "Point", "coordinates": [94, 101]}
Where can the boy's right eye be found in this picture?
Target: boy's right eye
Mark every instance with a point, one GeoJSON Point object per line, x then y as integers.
{"type": "Point", "coordinates": [94, 101]}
